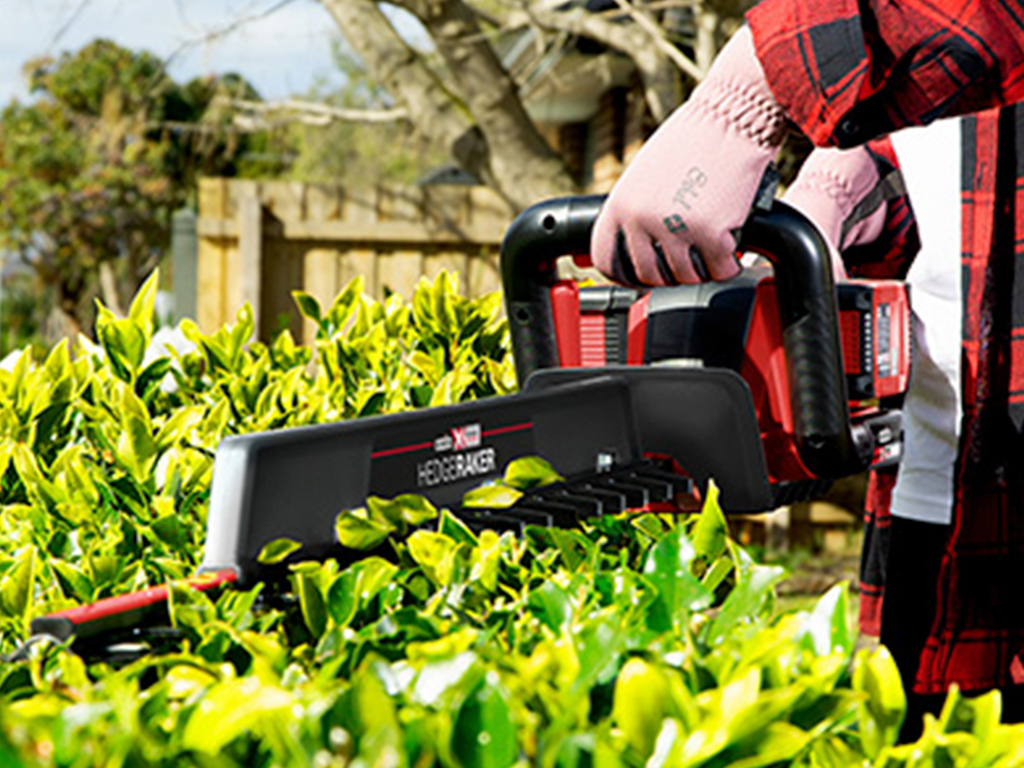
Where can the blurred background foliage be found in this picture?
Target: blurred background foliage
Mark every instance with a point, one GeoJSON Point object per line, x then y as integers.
{"type": "Point", "coordinates": [91, 170]}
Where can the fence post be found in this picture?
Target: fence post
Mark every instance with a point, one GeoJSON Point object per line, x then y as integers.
{"type": "Point", "coordinates": [250, 250]}
{"type": "Point", "coordinates": [184, 258]}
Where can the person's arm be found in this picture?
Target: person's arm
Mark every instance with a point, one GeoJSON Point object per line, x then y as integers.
{"type": "Point", "coordinates": [846, 71]}
{"type": "Point", "coordinates": [841, 74]}
{"type": "Point", "coordinates": [673, 215]}
{"type": "Point", "coordinates": [890, 254]}
{"type": "Point", "coordinates": [857, 199]}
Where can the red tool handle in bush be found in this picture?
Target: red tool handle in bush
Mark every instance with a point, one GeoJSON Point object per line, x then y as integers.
{"type": "Point", "coordinates": [97, 622]}
{"type": "Point", "coordinates": [807, 308]}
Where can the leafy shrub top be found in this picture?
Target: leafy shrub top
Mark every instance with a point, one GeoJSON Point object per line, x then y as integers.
{"type": "Point", "coordinates": [640, 640]}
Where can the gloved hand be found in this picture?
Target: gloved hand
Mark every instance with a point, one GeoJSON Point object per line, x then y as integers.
{"type": "Point", "coordinates": [672, 215]}
{"type": "Point", "coordinates": [834, 190]}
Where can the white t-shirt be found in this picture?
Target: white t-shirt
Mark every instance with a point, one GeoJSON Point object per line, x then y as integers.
{"type": "Point", "coordinates": [930, 160]}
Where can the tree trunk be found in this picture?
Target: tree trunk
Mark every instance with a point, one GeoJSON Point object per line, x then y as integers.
{"type": "Point", "coordinates": [520, 159]}
{"type": "Point", "coordinates": [481, 118]}
{"type": "Point", "coordinates": [433, 109]}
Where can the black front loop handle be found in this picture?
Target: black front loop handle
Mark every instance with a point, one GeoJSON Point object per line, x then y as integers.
{"type": "Point", "coordinates": [807, 308]}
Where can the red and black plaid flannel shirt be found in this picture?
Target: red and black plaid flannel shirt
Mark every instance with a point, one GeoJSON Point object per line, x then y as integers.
{"type": "Point", "coordinates": [847, 71]}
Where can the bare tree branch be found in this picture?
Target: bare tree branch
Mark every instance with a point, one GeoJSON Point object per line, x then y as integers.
{"type": "Point", "coordinates": [312, 112]}
{"type": "Point", "coordinates": [706, 44]}
{"type": "Point", "coordinates": [657, 71]}
{"type": "Point", "coordinates": [232, 26]}
{"type": "Point", "coordinates": [70, 21]}
{"type": "Point", "coordinates": [657, 36]}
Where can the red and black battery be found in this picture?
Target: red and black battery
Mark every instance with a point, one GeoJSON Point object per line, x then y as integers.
{"type": "Point", "coordinates": [735, 325]}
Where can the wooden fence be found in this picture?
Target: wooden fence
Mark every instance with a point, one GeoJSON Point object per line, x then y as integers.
{"type": "Point", "coordinates": [259, 241]}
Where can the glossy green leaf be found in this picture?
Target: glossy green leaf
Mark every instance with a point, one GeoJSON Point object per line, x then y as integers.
{"type": "Point", "coordinates": [429, 368]}
{"type": "Point", "coordinates": [486, 560]}
{"type": "Point", "coordinates": [456, 530]}
{"type": "Point", "coordinates": [435, 553]}
{"type": "Point", "coordinates": [599, 642]}
{"type": "Point", "coordinates": [551, 604]}
{"type": "Point", "coordinates": [668, 568]}
{"type": "Point", "coordinates": [754, 585]}
{"type": "Point", "coordinates": [530, 472]}
{"type": "Point", "coordinates": [358, 532]}
{"type": "Point", "coordinates": [6, 453]}
{"type": "Point", "coordinates": [451, 387]}
{"type": "Point", "coordinates": [828, 626]}
{"type": "Point", "coordinates": [711, 530]}
{"type": "Point", "coordinates": [642, 700]}
{"type": "Point", "coordinates": [345, 304]}
{"type": "Point", "coordinates": [356, 586]}
{"type": "Point", "coordinates": [311, 601]}
{"type": "Point", "coordinates": [277, 550]}
{"type": "Point", "coordinates": [415, 510]}
{"type": "Point", "coordinates": [143, 306]}
{"type": "Point", "coordinates": [308, 306]}
{"type": "Point", "coordinates": [234, 709]}
{"type": "Point", "coordinates": [16, 586]}
{"type": "Point", "coordinates": [172, 530]}
{"type": "Point", "coordinates": [152, 376]}
{"type": "Point", "coordinates": [74, 583]}
{"type": "Point", "coordinates": [484, 735]}
{"type": "Point", "coordinates": [777, 743]}
{"type": "Point", "coordinates": [574, 547]}
{"type": "Point", "coordinates": [406, 509]}
{"type": "Point", "coordinates": [491, 497]}
{"type": "Point", "coordinates": [882, 710]}
{"type": "Point", "coordinates": [176, 428]}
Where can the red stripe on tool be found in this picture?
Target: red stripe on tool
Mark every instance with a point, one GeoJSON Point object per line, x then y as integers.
{"type": "Point", "coordinates": [637, 333]}
{"type": "Point", "coordinates": [506, 430]}
{"type": "Point", "coordinates": [111, 606]}
{"type": "Point", "coordinates": [565, 306]}
{"type": "Point", "coordinates": [402, 449]}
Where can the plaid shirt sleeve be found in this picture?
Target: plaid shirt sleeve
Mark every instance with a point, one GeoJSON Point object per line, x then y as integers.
{"type": "Point", "coordinates": [847, 71]}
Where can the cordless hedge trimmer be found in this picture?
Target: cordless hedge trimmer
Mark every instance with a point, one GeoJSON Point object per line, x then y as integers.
{"type": "Point", "coordinates": [771, 384]}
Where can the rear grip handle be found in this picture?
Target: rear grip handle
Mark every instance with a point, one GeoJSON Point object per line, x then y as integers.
{"type": "Point", "coordinates": [807, 308]}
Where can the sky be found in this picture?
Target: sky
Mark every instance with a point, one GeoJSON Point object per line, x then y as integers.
{"type": "Point", "coordinates": [282, 54]}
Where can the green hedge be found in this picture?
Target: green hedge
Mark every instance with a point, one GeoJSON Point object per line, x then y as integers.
{"type": "Point", "coordinates": [642, 640]}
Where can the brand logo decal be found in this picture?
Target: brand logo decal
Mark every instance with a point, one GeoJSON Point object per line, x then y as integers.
{"type": "Point", "coordinates": [464, 457]}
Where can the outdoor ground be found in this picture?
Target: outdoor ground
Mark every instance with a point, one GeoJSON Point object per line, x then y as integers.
{"type": "Point", "coordinates": [813, 572]}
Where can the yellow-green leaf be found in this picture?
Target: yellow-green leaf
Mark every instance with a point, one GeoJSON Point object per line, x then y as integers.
{"type": "Point", "coordinates": [277, 550]}
{"type": "Point", "coordinates": [530, 472]}
{"type": "Point", "coordinates": [491, 496]}
{"type": "Point", "coordinates": [711, 530]}
{"type": "Point", "coordinates": [357, 531]}
{"type": "Point", "coordinates": [881, 712]}
{"type": "Point", "coordinates": [640, 703]}
{"type": "Point", "coordinates": [16, 586]}
{"type": "Point", "coordinates": [235, 708]}
{"type": "Point", "coordinates": [435, 554]}
{"type": "Point", "coordinates": [143, 305]}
